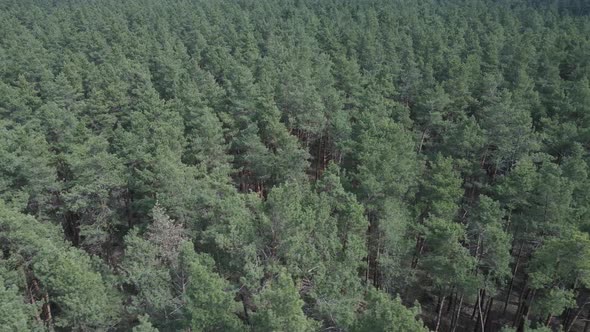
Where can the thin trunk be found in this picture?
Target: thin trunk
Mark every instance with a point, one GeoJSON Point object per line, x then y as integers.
{"type": "Point", "coordinates": [451, 301]}
{"type": "Point", "coordinates": [479, 322]}
{"type": "Point", "coordinates": [530, 304]}
{"type": "Point", "coordinates": [375, 266]}
{"type": "Point", "coordinates": [422, 140]}
{"type": "Point", "coordinates": [33, 302]}
{"type": "Point", "coordinates": [571, 324]}
{"type": "Point", "coordinates": [318, 160]}
{"type": "Point", "coordinates": [514, 271]}
{"type": "Point", "coordinates": [419, 248]}
{"type": "Point", "coordinates": [369, 232]}
{"type": "Point", "coordinates": [246, 316]}
{"type": "Point", "coordinates": [440, 309]}
{"type": "Point", "coordinates": [526, 309]}
{"type": "Point", "coordinates": [509, 222]}
{"type": "Point", "coordinates": [495, 171]}
{"type": "Point", "coordinates": [368, 266]}
{"type": "Point", "coordinates": [325, 154]}
{"type": "Point", "coordinates": [477, 255]}
{"type": "Point", "coordinates": [479, 291]}
{"type": "Point", "coordinates": [476, 326]}
{"type": "Point", "coordinates": [476, 304]}
{"type": "Point", "coordinates": [453, 309]}
{"type": "Point", "coordinates": [47, 309]}
{"type": "Point", "coordinates": [128, 212]}
{"type": "Point", "coordinates": [455, 322]}
{"type": "Point", "coordinates": [523, 294]}
{"type": "Point", "coordinates": [566, 317]}
{"type": "Point", "coordinates": [487, 319]}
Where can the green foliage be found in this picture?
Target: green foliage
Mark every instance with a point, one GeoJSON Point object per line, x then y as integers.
{"type": "Point", "coordinates": [78, 291]}
{"type": "Point", "coordinates": [441, 190]}
{"type": "Point", "coordinates": [492, 244]}
{"type": "Point", "coordinates": [66, 276]}
{"type": "Point", "coordinates": [563, 260]}
{"type": "Point", "coordinates": [555, 302]}
{"type": "Point", "coordinates": [144, 325]}
{"type": "Point", "coordinates": [150, 278]}
{"type": "Point", "coordinates": [386, 314]}
{"type": "Point", "coordinates": [527, 329]}
{"type": "Point", "coordinates": [311, 234]}
{"type": "Point", "coordinates": [231, 165]}
{"type": "Point", "coordinates": [209, 305]}
{"type": "Point", "coordinates": [14, 313]}
{"type": "Point", "coordinates": [448, 264]}
{"type": "Point", "coordinates": [279, 307]}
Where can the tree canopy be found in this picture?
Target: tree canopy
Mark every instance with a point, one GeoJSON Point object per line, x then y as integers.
{"type": "Point", "coordinates": [278, 165]}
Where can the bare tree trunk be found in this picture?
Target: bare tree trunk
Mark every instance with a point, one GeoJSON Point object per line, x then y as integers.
{"type": "Point", "coordinates": [479, 314]}
{"type": "Point", "coordinates": [376, 266]}
{"type": "Point", "coordinates": [451, 301]}
{"type": "Point", "coordinates": [33, 302]}
{"type": "Point", "coordinates": [368, 262]}
{"type": "Point", "coordinates": [455, 321]}
{"type": "Point", "coordinates": [440, 309]}
{"type": "Point", "coordinates": [523, 294]}
{"type": "Point", "coordinates": [476, 304]}
{"type": "Point", "coordinates": [319, 159]}
{"type": "Point", "coordinates": [419, 248]}
{"type": "Point", "coordinates": [422, 140]}
{"type": "Point", "coordinates": [514, 271]}
{"type": "Point", "coordinates": [571, 324]}
{"type": "Point", "coordinates": [488, 313]}
{"type": "Point", "coordinates": [369, 249]}
{"type": "Point", "coordinates": [528, 308]}
{"type": "Point", "coordinates": [566, 318]}
{"type": "Point", "coordinates": [47, 309]}
{"type": "Point", "coordinates": [128, 211]}
{"type": "Point", "coordinates": [525, 308]}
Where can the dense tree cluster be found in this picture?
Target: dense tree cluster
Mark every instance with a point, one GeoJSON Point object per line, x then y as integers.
{"type": "Point", "coordinates": [294, 165]}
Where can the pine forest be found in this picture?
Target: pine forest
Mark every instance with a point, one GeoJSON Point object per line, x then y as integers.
{"type": "Point", "coordinates": [295, 165]}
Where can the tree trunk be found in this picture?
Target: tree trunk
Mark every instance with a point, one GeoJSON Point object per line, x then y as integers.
{"type": "Point", "coordinates": [530, 304]}
{"type": "Point", "coordinates": [422, 140]}
{"type": "Point", "coordinates": [419, 248]}
{"type": "Point", "coordinates": [488, 313]}
{"type": "Point", "coordinates": [128, 210]}
{"type": "Point", "coordinates": [440, 309]}
{"type": "Point", "coordinates": [47, 309]}
{"type": "Point", "coordinates": [32, 298]}
{"type": "Point", "coordinates": [457, 316]}
{"type": "Point", "coordinates": [571, 324]}
{"type": "Point", "coordinates": [245, 307]}
{"type": "Point", "coordinates": [523, 294]}
{"type": "Point", "coordinates": [369, 248]}
{"type": "Point", "coordinates": [525, 308]}
{"type": "Point", "coordinates": [376, 266]}
{"type": "Point", "coordinates": [451, 301]}
{"type": "Point", "coordinates": [479, 322]}
{"type": "Point", "coordinates": [319, 159]}
{"type": "Point", "coordinates": [566, 318]}
{"type": "Point", "coordinates": [518, 312]}
{"type": "Point", "coordinates": [514, 271]}
{"type": "Point", "coordinates": [368, 265]}
{"type": "Point", "coordinates": [476, 304]}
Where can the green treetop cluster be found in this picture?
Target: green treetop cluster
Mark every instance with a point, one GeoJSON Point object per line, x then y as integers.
{"type": "Point", "coordinates": [294, 165]}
